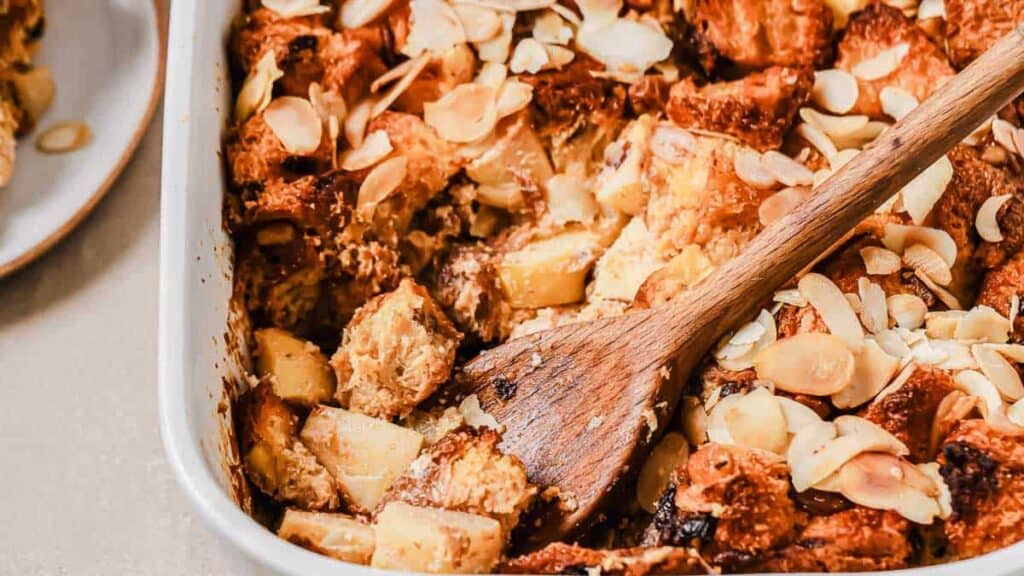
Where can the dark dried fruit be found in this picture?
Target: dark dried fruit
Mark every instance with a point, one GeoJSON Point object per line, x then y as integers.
{"type": "Point", "coordinates": [676, 528]}
{"type": "Point", "coordinates": [969, 473]}
{"type": "Point", "coordinates": [818, 503]}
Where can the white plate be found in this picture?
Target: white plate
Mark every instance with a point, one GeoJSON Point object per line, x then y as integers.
{"type": "Point", "coordinates": [107, 60]}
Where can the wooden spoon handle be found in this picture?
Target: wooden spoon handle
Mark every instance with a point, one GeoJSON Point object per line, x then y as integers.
{"type": "Point", "coordinates": [736, 290]}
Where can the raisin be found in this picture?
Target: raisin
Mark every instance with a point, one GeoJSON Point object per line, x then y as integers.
{"type": "Point", "coordinates": [675, 528]}
{"type": "Point", "coordinates": [969, 473]}
{"type": "Point", "coordinates": [576, 570]}
{"type": "Point", "coordinates": [820, 503]}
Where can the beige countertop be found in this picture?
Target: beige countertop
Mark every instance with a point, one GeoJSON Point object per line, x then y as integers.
{"type": "Point", "coordinates": [84, 485]}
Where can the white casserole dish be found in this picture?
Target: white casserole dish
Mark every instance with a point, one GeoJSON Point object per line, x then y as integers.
{"type": "Point", "coordinates": [195, 287]}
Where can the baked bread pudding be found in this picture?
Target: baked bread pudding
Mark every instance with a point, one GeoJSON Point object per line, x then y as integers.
{"type": "Point", "coordinates": [414, 181]}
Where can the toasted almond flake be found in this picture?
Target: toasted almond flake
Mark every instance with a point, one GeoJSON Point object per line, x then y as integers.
{"type": "Point", "coordinates": [64, 137]}
{"type": "Point", "coordinates": [511, 6]}
{"type": "Point", "coordinates": [622, 45]}
{"type": "Point", "coordinates": [549, 28]}
{"type": "Point", "coordinates": [834, 309]}
{"type": "Point", "coordinates": [874, 313]}
{"type": "Point", "coordinates": [786, 170]}
{"type": "Point", "coordinates": [717, 430]}
{"type": "Point", "coordinates": [897, 237]}
{"type": "Point", "coordinates": [999, 371]}
{"type": "Point", "coordinates": [907, 310]}
{"type": "Point", "coordinates": [782, 203]}
{"type": "Point", "coordinates": [498, 48]}
{"type": "Point", "coordinates": [419, 63]}
{"type": "Point", "coordinates": [513, 97]}
{"type": "Point", "coordinates": [359, 13]}
{"type": "Point", "coordinates": [975, 137]}
{"type": "Point", "coordinates": [466, 114]}
{"type": "Point", "coordinates": [380, 183]}
{"type": "Point", "coordinates": [892, 344]}
{"type": "Point", "coordinates": [817, 138]}
{"type": "Point", "coordinates": [834, 126]}
{"type": "Point", "coordinates": [258, 88]}
{"type": "Point", "coordinates": [296, 8]}
{"type": "Point", "coordinates": [931, 9]}
{"type": "Point", "coordinates": [1018, 140]}
{"type": "Point", "coordinates": [854, 301]}
{"type": "Point", "coordinates": [873, 370]}
{"type": "Point", "coordinates": [983, 324]}
{"type": "Point", "coordinates": [672, 144]}
{"type": "Point", "coordinates": [295, 123]}
{"type": "Point", "coordinates": [480, 23]}
{"type": "Point", "coordinates": [327, 104]}
{"type": "Point", "coordinates": [599, 12]}
{"type": "Point", "coordinates": [755, 420]}
{"type": "Point", "coordinates": [854, 436]}
{"type": "Point", "coordinates": [861, 137]}
{"type": "Point", "coordinates": [397, 72]}
{"type": "Point", "coordinates": [882, 64]}
{"type": "Point", "coordinates": [880, 261]}
{"type": "Point", "coordinates": [810, 363]}
{"type": "Point", "coordinates": [435, 27]}
{"type": "Point", "coordinates": [375, 148]}
{"type": "Point", "coordinates": [943, 325]}
{"type": "Point", "coordinates": [1002, 133]}
{"type": "Point", "coordinates": [355, 123]}
{"type": "Point", "coordinates": [790, 296]}
{"type": "Point", "coordinates": [886, 482]}
{"type": "Point", "coordinates": [921, 194]}
{"type": "Point", "coordinates": [670, 453]}
{"type": "Point", "coordinates": [897, 102]}
{"type": "Point", "coordinates": [738, 353]}
{"type": "Point", "coordinates": [955, 407]}
{"type": "Point", "coordinates": [749, 168]}
{"type": "Point", "coordinates": [958, 355]}
{"type": "Point", "coordinates": [835, 90]}
{"type": "Point", "coordinates": [926, 260]}
{"type": "Point", "coordinates": [797, 415]}
{"type": "Point", "coordinates": [492, 74]}
{"type": "Point", "coordinates": [529, 56]}
{"type": "Point", "coordinates": [987, 222]}
{"type": "Point", "coordinates": [507, 195]}
{"type": "Point", "coordinates": [567, 13]}
{"type": "Point", "coordinates": [1016, 413]}
{"type": "Point", "coordinates": [559, 56]}
{"type": "Point", "coordinates": [978, 385]}
{"type": "Point", "coordinates": [941, 293]}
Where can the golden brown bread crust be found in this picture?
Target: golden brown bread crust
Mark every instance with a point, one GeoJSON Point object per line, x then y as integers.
{"type": "Point", "coordinates": [880, 27]}
{"type": "Point", "coordinates": [999, 288]}
{"type": "Point", "coordinates": [972, 26]}
{"type": "Point", "coordinates": [758, 109]}
{"type": "Point", "coordinates": [466, 471]}
{"type": "Point", "coordinates": [567, 100]}
{"type": "Point", "coordinates": [466, 285]}
{"type": "Point", "coordinates": [756, 34]}
{"type": "Point", "coordinates": [560, 558]}
{"type": "Point", "coordinates": [855, 540]}
{"type": "Point", "coordinates": [256, 156]}
{"type": "Point", "coordinates": [984, 469]}
{"type": "Point", "coordinates": [275, 460]}
{"type": "Point", "coordinates": [398, 348]}
{"type": "Point", "coordinates": [280, 284]}
{"type": "Point", "coordinates": [908, 412]}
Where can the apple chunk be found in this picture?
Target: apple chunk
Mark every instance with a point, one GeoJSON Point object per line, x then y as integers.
{"type": "Point", "coordinates": [551, 271]}
{"type": "Point", "coordinates": [435, 540]}
{"type": "Point", "coordinates": [335, 535]}
{"type": "Point", "coordinates": [298, 370]}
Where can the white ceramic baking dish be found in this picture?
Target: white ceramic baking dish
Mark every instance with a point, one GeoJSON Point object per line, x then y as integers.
{"type": "Point", "coordinates": [195, 285]}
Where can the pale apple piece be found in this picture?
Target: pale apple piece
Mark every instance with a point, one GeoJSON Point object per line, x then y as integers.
{"type": "Point", "coordinates": [629, 261]}
{"type": "Point", "coordinates": [619, 184]}
{"type": "Point", "coordinates": [432, 540]}
{"type": "Point", "coordinates": [670, 453]}
{"type": "Point", "coordinates": [518, 155]}
{"type": "Point", "coordinates": [298, 371]}
{"type": "Point", "coordinates": [363, 454]}
{"type": "Point", "coordinates": [549, 272]}
{"type": "Point", "coordinates": [335, 535]}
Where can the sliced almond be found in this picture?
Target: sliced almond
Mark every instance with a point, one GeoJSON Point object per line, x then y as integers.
{"type": "Point", "coordinates": [975, 137]}
{"type": "Point", "coordinates": [835, 90]}
{"type": "Point", "coordinates": [356, 122]}
{"type": "Point", "coordinates": [380, 183]}
{"type": "Point", "coordinates": [359, 13]}
{"type": "Point", "coordinates": [749, 168]}
{"type": "Point", "coordinates": [479, 22]}
{"type": "Point", "coordinates": [1002, 133]}
{"type": "Point", "coordinates": [811, 363]}
{"type": "Point", "coordinates": [978, 385]}
{"type": "Point", "coordinates": [892, 344]}
{"type": "Point", "coordinates": [375, 148]}
{"type": "Point", "coordinates": [987, 221]}
{"type": "Point", "coordinates": [854, 436]}
{"type": "Point", "coordinates": [623, 45]}
{"type": "Point", "coordinates": [983, 324]}
{"type": "Point", "coordinates": [466, 114]}
{"type": "Point", "coordinates": [999, 371]}
{"type": "Point", "coordinates": [955, 407]}
{"type": "Point", "coordinates": [873, 370]}
{"type": "Point", "coordinates": [945, 296]}
{"type": "Point", "coordinates": [944, 324]}
{"type": "Point", "coordinates": [507, 195]}
{"type": "Point", "coordinates": [295, 123]}
{"type": "Point", "coordinates": [817, 138]}
{"type": "Point", "coordinates": [907, 310]}
{"type": "Point", "coordinates": [874, 312]}
{"type": "Point", "coordinates": [1018, 140]}
{"type": "Point", "coordinates": [64, 137]}
{"type": "Point", "coordinates": [834, 126]}
{"type": "Point", "coordinates": [492, 74]}
{"type": "Point", "coordinates": [897, 237]}
{"type": "Point", "coordinates": [862, 136]}
{"type": "Point", "coordinates": [882, 64]}
{"type": "Point", "coordinates": [672, 144]}
{"type": "Point", "coordinates": [529, 56]}
{"type": "Point", "coordinates": [798, 416]}
{"type": "Point", "coordinates": [790, 296]}
{"type": "Point", "coordinates": [694, 420]}
{"type": "Point", "coordinates": [559, 56]}
{"type": "Point", "coordinates": [880, 261]}
{"type": "Point", "coordinates": [834, 309]}
{"type": "Point", "coordinates": [327, 104]}
{"type": "Point", "coordinates": [921, 194]}
{"type": "Point", "coordinates": [549, 28]}
{"type": "Point", "coordinates": [258, 88]}
{"type": "Point", "coordinates": [897, 102]}
{"type": "Point", "coordinates": [756, 421]}
{"type": "Point", "coordinates": [886, 482]}
{"type": "Point", "coordinates": [513, 97]}
{"type": "Point", "coordinates": [1016, 413]}
{"type": "Point", "coordinates": [740, 350]}
{"type": "Point", "coordinates": [786, 170]}
{"type": "Point", "coordinates": [435, 27]}
{"type": "Point", "coordinates": [498, 48]}
{"type": "Point", "coordinates": [599, 11]}
{"type": "Point", "coordinates": [782, 203]}
{"type": "Point", "coordinates": [922, 258]}
{"type": "Point", "coordinates": [931, 9]}
{"type": "Point", "coordinates": [296, 8]}
{"type": "Point", "coordinates": [670, 453]}
{"type": "Point", "coordinates": [416, 67]}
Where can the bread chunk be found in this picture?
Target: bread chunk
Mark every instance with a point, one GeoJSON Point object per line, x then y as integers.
{"type": "Point", "coordinates": [999, 288]}
{"type": "Point", "coordinates": [560, 558]}
{"type": "Point", "coordinates": [984, 470]}
{"type": "Point", "coordinates": [432, 540]}
{"type": "Point", "coordinates": [396, 351]}
{"type": "Point", "coordinates": [364, 455]}
{"type": "Point", "coordinates": [908, 412]}
{"type": "Point", "coordinates": [973, 26]}
{"type": "Point", "coordinates": [275, 460]}
{"type": "Point", "coordinates": [466, 285]}
{"type": "Point", "coordinates": [879, 28]}
{"type": "Point", "coordinates": [466, 471]}
{"type": "Point", "coordinates": [336, 536]}
{"type": "Point", "coordinates": [756, 34]}
{"type": "Point", "coordinates": [569, 99]}
{"type": "Point", "coordinates": [758, 109]}
{"type": "Point", "coordinates": [256, 156]}
{"type": "Point", "coordinates": [296, 368]}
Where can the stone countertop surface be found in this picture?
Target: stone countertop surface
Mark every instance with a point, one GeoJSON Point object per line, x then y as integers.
{"type": "Point", "coordinates": [84, 484]}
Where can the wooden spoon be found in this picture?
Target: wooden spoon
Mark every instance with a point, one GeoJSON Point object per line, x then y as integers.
{"type": "Point", "coordinates": [581, 404]}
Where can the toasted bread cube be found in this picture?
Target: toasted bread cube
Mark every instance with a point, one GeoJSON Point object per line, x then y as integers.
{"type": "Point", "coordinates": [276, 462]}
{"type": "Point", "coordinates": [973, 26]}
{"type": "Point", "coordinates": [909, 411]}
{"type": "Point", "coordinates": [1000, 286]}
{"type": "Point", "coordinates": [549, 272]}
{"type": "Point", "coordinates": [398, 348]}
{"type": "Point", "coordinates": [628, 262]}
{"type": "Point", "coordinates": [466, 285]}
{"type": "Point", "coordinates": [335, 535]}
{"type": "Point", "coordinates": [363, 454]}
{"type": "Point", "coordinates": [296, 368]}
{"type": "Point", "coordinates": [758, 109]}
{"type": "Point", "coordinates": [436, 541]}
